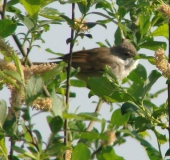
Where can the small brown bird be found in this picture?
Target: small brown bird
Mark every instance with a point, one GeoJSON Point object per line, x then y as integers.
{"type": "Point", "coordinates": [92, 61]}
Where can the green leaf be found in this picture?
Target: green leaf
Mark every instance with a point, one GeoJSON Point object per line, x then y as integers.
{"type": "Point", "coordinates": [77, 83]}
{"type": "Point", "coordinates": [151, 59]}
{"type": "Point", "coordinates": [52, 52]}
{"type": "Point", "coordinates": [10, 126]}
{"type": "Point", "coordinates": [7, 27]}
{"type": "Point", "coordinates": [161, 31]}
{"type": "Point", "coordinates": [46, 2]}
{"type": "Point", "coordinates": [53, 72]}
{"type": "Point", "coordinates": [103, 22]}
{"type": "Point", "coordinates": [144, 24]}
{"type": "Point", "coordinates": [128, 107]}
{"type": "Point", "coordinates": [154, 45]}
{"type": "Point", "coordinates": [34, 88]}
{"type": "Point", "coordinates": [152, 78]}
{"type": "Point", "coordinates": [32, 7]}
{"type": "Point", "coordinates": [10, 6]}
{"type": "Point", "coordinates": [142, 124]}
{"type": "Point", "coordinates": [26, 20]}
{"type": "Point", "coordinates": [68, 20]}
{"type": "Point", "coordinates": [118, 97]}
{"type": "Point", "coordinates": [124, 2]}
{"type": "Point", "coordinates": [12, 2]}
{"type": "Point", "coordinates": [101, 44]}
{"type": "Point", "coordinates": [33, 150]}
{"type": "Point", "coordinates": [3, 148]}
{"type": "Point", "coordinates": [90, 135]}
{"type": "Point", "coordinates": [81, 152]}
{"type": "Point", "coordinates": [139, 74]}
{"type": "Point", "coordinates": [138, 77]}
{"type": "Point", "coordinates": [93, 135]}
{"type": "Point", "coordinates": [117, 36]}
{"type": "Point", "coordinates": [24, 152]}
{"type": "Point", "coordinates": [110, 74]}
{"type": "Point", "coordinates": [153, 153]}
{"type": "Point", "coordinates": [81, 125]}
{"type": "Point", "coordinates": [101, 86]}
{"type": "Point", "coordinates": [13, 74]}
{"type": "Point", "coordinates": [108, 153]}
{"type": "Point", "coordinates": [167, 152]}
{"type": "Point", "coordinates": [69, 40]}
{"type": "Point", "coordinates": [140, 88]}
{"type": "Point", "coordinates": [90, 24]}
{"type": "Point", "coordinates": [26, 115]}
{"type": "Point", "coordinates": [77, 1]}
{"type": "Point", "coordinates": [161, 138]}
{"type": "Point", "coordinates": [81, 116]}
{"type": "Point", "coordinates": [108, 43]}
{"type": "Point", "coordinates": [86, 35]}
{"type": "Point", "coordinates": [57, 149]}
{"type": "Point", "coordinates": [9, 80]}
{"type": "Point", "coordinates": [119, 119]}
{"type": "Point", "coordinates": [57, 104]}
{"type": "Point", "coordinates": [39, 139]}
{"type": "Point", "coordinates": [124, 28]}
{"type": "Point", "coordinates": [149, 106]}
{"type": "Point", "coordinates": [88, 116]}
{"type": "Point", "coordinates": [127, 132]}
{"type": "Point", "coordinates": [158, 112]}
{"type": "Point", "coordinates": [50, 13]}
{"type": "Point", "coordinates": [156, 94]}
{"type": "Point", "coordinates": [103, 125]}
{"type": "Point", "coordinates": [84, 6]}
{"type": "Point", "coordinates": [3, 112]}
{"type": "Point", "coordinates": [13, 9]}
{"type": "Point", "coordinates": [122, 12]}
{"type": "Point", "coordinates": [104, 5]}
{"type": "Point", "coordinates": [55, 123]}
{"type": "Point", "coordinates": [19, 67]}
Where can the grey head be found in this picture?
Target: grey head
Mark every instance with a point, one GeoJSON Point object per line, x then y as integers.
{"type": "Point", "coordinates": [125, 50]}
{"type": "Point", "coordinates": [124, 55]}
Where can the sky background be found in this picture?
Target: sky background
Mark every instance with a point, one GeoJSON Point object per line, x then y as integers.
{"type": "Point", "coordinates": [55, 39]}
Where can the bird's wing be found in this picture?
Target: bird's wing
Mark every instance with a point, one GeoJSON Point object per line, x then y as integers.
{"type": "Point", "coordinates": [92, 60]}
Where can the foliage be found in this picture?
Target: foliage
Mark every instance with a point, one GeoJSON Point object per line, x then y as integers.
{"type": "Point", "coordinates": [140, 21]}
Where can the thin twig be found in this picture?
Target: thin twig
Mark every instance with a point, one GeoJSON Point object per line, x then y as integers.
{"type": "Point", "coordinates": [3, 9]}
{"type": "Point", "coordinates": [98, 108]}
{"type": "Point", "coordinates": [169, 89]}
{"type": "Point", "coordinates": [21, 48]}
{"type": "Point", "coordinates": [11, 149]}
{"type": "Point", "coordinates": [68, 80]}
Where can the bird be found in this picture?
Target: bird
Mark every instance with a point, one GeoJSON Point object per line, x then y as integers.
{"type": "Point", "coordinates": [92, 61]}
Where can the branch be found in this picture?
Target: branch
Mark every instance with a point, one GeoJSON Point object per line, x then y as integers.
{"type": "Point", "coordinates": [68, 81]}
{"type": "Point", "coordinates": [98, 108]}
{"type": "Point", "coordinates": [169, 88]}
{"type": "Point", "coordinates": [20, 46]}
{"type": "Point", "coordinates": [3, 9]}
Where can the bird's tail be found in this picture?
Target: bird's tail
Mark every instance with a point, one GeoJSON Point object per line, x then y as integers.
{"type": "Point", "coordinates": [57, 61]}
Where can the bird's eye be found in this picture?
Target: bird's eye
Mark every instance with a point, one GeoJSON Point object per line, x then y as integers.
{"type": "Point", "coordinates": [127, 54]}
